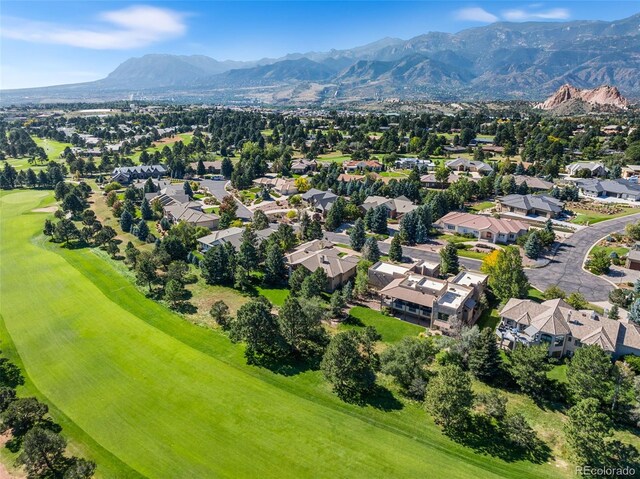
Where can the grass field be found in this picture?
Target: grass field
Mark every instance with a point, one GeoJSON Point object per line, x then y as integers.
{"type": "Point", "coordinates": [184, 137]}
{"type": "Point", "coordinates": [145, 393]}
{"type": "Point", "coordinates": [391, 329]}
{"type": "Point", "coordinates": [53, 148]}
{"type": "Point", "coordinates": [335, 157]}
{"type": "Point", "coordinates": [484, 205]}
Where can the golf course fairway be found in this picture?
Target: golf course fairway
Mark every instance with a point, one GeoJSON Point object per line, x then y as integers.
{"type": "Point", "coordinates": [145, 393]}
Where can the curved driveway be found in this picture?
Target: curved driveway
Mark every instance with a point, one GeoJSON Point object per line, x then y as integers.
{"type": "Point", "coordinates": [565, 269]}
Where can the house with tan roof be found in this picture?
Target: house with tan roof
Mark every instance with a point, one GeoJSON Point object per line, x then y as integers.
{"type": "Point", "coordinates": [533, 182]}
{"type": "Point", "coordinates": [437, 303]}
{"type": "Point", "coordinates": [564, 328]}
{"type": "Point", "coordinates": [396, 207]}
{"type": "Point", "coordinates": [488, 228]}
{"type": "Point", "coordinates": [472, 166]}
{"type": "Point", "coordinates": [321, 254]}
{"type": "Point", "coordinates": [369, 165]}
{"type": "Point", "coordinates": [283, 186]}
{"type": "Point", "coordinates": [192, 214]}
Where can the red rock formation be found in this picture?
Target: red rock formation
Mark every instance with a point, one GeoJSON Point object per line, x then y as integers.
{"type": "Point", "coordinates": [604, 95]}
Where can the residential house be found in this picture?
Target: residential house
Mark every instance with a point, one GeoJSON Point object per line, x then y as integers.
{"type": "Point", "coordinates": [530, 205]}
{"type": "Point", "coordinates": [620, 189]}
{"type": "Point", "coordinates": [563, 328]}
{"type": "Point", "coordinates": [210, 167]}
{"type": "Point", "coordinates": [126, 174]}
{"type": "Point", "coordinates": [396, 207]}
{"type": "Point", "coordinates": [455, 149]}
{"type": "Point", "coordinates": [321, 254]}
{"type": "Point", "coordinates": [321, 201]}
{"type": "Point", "coordinates": [192, 214]}
{"type": "Point", "coordinates": [488, 228]}
{"type": "Point", "coordinates": [233, 236]}
{"type": "Point", "coordinates": [630, 171]}
{"type": "Point", "coordinates": [441, 304]}
{"type": "Point", "coordinates": [533, 182]}
{"type": "Point", "coordinates": [593, 167]}
{"type": "Point", "coordinates": [410, 163]}
{"type": "Point", "coordinates": [300, 167]}
{"type": "Point", "coordinates": [369, 165]}
{"type": "Point", "coordinates": [169, 194]}
{"type": "Point", "coordinates": [348, 177]}
{"type": "Point", "coordinates": [472, 166]}
{"type": "Point", "coordinates": [381, 273]}
{"type": "Point", "coordinates": [429, 180]}
{"type": "Point", "coordinates": [283, 186]}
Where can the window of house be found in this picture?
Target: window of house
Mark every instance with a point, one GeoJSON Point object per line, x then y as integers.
{"type": "Point", "coordinates": [558, 341]}
{"type": "Point", "coordinates": [546, 338]}
{"type": "Point", "coordinates": [443, 317]}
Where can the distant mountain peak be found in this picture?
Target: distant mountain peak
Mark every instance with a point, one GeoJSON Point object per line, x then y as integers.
{"type": "Point", "coordinates": [603, 95]}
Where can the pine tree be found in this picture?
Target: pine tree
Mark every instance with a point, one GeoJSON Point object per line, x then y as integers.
{"type": "Point", "coordinates": [614, 312]}
{"type": "Point", "coordinates": [187, 189]}
{"type": "Point", "coordinates": [145, 210]}
{"type": "Point", "coordinates": [422, 235]}
{"type": "Point", "coordinates": [274, 266]}
{"type": "Point", "coordinates": [484, 357]}
{"type": "Point", "coordinates": [533, 246]}
{"type": "Point", "coordinates": [142, 230]}
{"type": "Point", "coordinates": [634, 311]}
{"type": "Point", "coordinates": [357, 235]}
{"type": "Point", "coordinates": [449, 263]}
{"type": "Point", "coordinates": [395, 251]}
{"type": "Point", "coordinates": [371, 251]}
{"type": "Point", "coordinates": [248, 254]}
{"type": "Point", "coordinates": [126, 221]}
{"type": "Point", "coordinates": [200, 169]}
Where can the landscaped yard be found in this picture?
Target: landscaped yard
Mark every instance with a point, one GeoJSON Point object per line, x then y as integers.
{"type": "Point", "coordinates": [142, 391]}
{"type": "Point", "coordinates": [584, 217]}
{"type": "Point", "coordinates": [335, 157]}
{"type": "Point", "coordinates": [484, 205]}
{"type": "Point", "coordinates": [619, 250]}
{"type": "Point", "coordinates": [391, 329]}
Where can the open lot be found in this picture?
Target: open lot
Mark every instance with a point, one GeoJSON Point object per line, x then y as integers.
{"type": "Point", "coordinates": [145, 393]}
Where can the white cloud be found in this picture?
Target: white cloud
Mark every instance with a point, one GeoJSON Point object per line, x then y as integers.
{"type": "Point", "coordinates": [476, 14]}
{"type": "Point", "coordinates": [132, 27]}
{"type": "Point", "coordinates": [520, 15]}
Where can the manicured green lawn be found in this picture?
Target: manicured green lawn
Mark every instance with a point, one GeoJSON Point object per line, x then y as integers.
{"type": "Point", "coordinates": [335, 157]}
{"type": "Point", "coordinates": [536, 295]}
{"type": "Point", "coordinates": [465, 253]}
{"type": "Point", "coordinates": [484, 205]}
{"type": "Point", "coordinates": [53, 148]}
{"type": "Point", "coordinates": [145, 393]}
{"type": "Point", "coordinates": [590, 217]}
{"type": "Point", "coordinates": [277, 296]}
{"type": "Point", "coordinates": [391, 329]}
{"type": "Point", "coordinates": [23, 164]}
{"type": "Point", "coordinates": [489, 318]}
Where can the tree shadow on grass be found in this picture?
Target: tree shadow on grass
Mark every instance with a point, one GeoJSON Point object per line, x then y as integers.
{"type": "Point", "coordinates": [383, 399]}
{"type": "Point", "coordinates": [484, 437]}
{"type": "Point", "coordinates": [185, 307]}
{"type": "Point", "coordinates": [352, 321]}
{"type": "Point", "coordinates": [287, 366]}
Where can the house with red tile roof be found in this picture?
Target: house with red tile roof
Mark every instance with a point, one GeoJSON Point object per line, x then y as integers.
{"type": "Point", "coordinates": [488, 228]}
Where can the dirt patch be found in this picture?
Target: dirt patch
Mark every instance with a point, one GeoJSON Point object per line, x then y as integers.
{"type": "Point", "coordinates": [48, 209]}
{"type": "Point", "coordinates": [168, 140]}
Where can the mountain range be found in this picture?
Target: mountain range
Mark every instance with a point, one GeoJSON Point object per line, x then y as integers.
{"type": "Point", "coordinates": [503, 60]}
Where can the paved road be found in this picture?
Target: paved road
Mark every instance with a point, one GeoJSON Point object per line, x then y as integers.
{"type": "Point", "coordinates": [565, 268]}
{"type": "Point", "coordinates": [216, 188]}
{"type": "Point", "coordinates": [415, 253]}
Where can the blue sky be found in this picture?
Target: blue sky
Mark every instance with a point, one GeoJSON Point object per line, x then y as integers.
{"type": "Point", "coordinates": [55, 42]}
